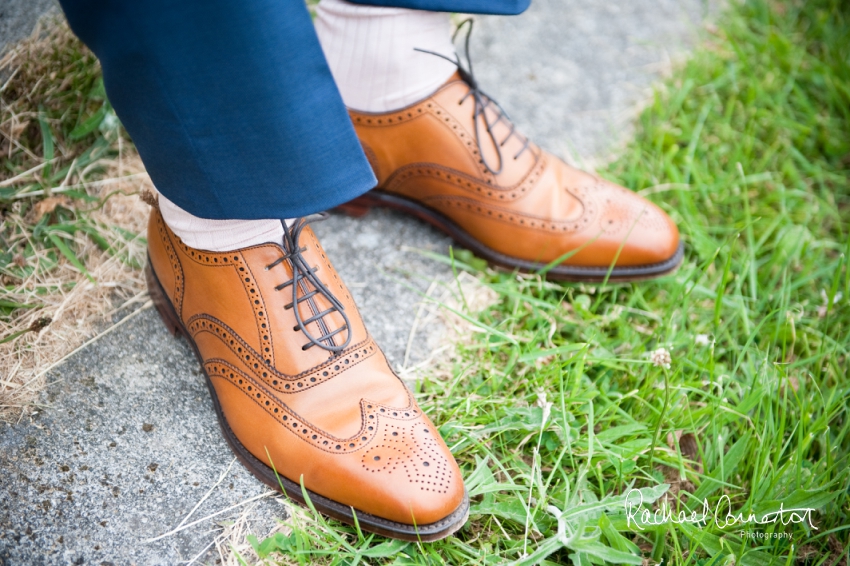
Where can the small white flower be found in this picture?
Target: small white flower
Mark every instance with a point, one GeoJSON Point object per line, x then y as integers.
{"type": "Point", "coordinates": [825, 298]}
{"type": "Point", "coordinates": [661, 358]}
{"type": "Point", "coordinates": [702, 340]}
{"type": "Point", "coordinates": [547, 407]}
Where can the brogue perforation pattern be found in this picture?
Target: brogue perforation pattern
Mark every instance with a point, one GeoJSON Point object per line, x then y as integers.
{"type": "Point", "coordinates": [301, 382]}
{"type": "Point", "coordinates": [275, 379]}
{"type": "Point", "coordinates": [203, 257]}
{"type": "Point", "coordinates": [618, 217]}
{"type": "Point", "coordinates": [298, 426]}
{"type": "Point", "coordinates": [399, 451]}
{"type": "Point", "coordinates": [399, 117]}
{"type": "Point", "coordinates": [464, 135]}
{"type": "Point", "coordinates": [327, 265]}
{"type": "Point", "coordinates": [237, 262]}
{"type": "Point", "coordinates": [258, 305]}
{"type": "Point", "coordinates": [649, 217]}
{"type": "Point", "coordinates": [448, 204]}
{"type": "Point", "coordinates": [409, 174]}
{"type": "Point", "coordinates": [439, 113]}
{"type": "Point", "coordinates": [176, 266]}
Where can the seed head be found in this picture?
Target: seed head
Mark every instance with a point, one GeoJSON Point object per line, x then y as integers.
{"type": "Point", "coordinates": [661, 358]}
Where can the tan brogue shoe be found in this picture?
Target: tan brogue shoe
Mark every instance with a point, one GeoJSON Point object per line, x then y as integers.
{"type": "Point", "coordinates": [456, 161]}
{"type": "Point", "coordinates": [302, 393]}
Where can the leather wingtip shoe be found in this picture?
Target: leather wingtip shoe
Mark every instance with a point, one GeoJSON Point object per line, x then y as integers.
{"type": "Point", "coordinates": [302, 392]}
{"type": "Point", "coordinates": [456, 161]}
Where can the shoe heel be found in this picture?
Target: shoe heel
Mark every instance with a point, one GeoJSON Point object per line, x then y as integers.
{"type": "Point", "coordinates": [358, 207]}
{"type": "Point", "coordinates": [162, 302]}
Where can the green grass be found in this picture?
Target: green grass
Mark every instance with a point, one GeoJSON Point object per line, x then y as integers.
{"type": "Point", "coordinates": [558, 411]}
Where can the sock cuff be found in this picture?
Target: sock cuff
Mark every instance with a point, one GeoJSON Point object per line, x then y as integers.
{"type": "Point", "coordinates": [218, 235]}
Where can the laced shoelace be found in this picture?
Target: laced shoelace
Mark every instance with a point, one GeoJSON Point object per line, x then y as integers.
{"type": "Point", "coordinates": [482, 103]}
{"type": "Point", "coordinates": [304, 276]}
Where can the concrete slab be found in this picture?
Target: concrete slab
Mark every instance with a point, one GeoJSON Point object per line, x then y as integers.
{"type": "Point", "coordinates": [125, 443]}
{"type": "Point", "coordinates": [18, 18]}
{"type": "Point", "coordinates": [580, 71]}
{"type": "Point", "coordinates": [122, 450]}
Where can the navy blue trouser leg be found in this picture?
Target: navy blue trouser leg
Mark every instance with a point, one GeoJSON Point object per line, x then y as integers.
{"type": "Point", "coordinates": [231, 104]}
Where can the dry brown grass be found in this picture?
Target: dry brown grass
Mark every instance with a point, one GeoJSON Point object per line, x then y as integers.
{"type": "Point", "coordinates": [81, 190]}
{"type": "Point", "coordinates": [77, 308]}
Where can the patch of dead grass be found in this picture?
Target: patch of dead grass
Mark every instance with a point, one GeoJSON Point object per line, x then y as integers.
{"type": "Point", "coordinates": [82, 189]}
{"type": "Point", "coordinates": [78, 307]}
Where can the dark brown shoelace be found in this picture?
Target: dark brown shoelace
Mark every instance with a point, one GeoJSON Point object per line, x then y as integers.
{"type": "Point", "coordinates": [482, 102]}
{"type": "Point", "coordinates": [303, 278]}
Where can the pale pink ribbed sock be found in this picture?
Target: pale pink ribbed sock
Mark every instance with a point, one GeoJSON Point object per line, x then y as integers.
{"type": "Point", "coordinates": [371, 53]}
{"type": "Point", "coordinates": [219, 235]}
